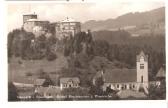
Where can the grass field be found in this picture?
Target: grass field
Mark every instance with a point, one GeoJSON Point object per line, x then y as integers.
{"type": "Point", "coordinates": [18, 68]}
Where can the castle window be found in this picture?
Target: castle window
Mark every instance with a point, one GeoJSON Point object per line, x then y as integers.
{"type": "Point", "coordinates": [141, 66]}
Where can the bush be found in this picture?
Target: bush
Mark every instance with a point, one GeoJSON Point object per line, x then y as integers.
{"type": "Point", "coordinates": [51, 56]}
{"type": "Point", "coordinates": [29, 74]}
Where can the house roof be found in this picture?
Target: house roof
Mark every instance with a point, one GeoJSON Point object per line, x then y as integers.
{"type": "Point", "coordinates": [161, 72]}
{"type": "Point", "coordinates": [67, 79]}
{"type": "Point", "coordinates": [120, 75]}
{"type": "Point", "coordinates": [24, 80]}
{"type": "Point", "coordinates": [39, 82]}
{"type": "Point", "coordinates": [98, 74]}
{"type": "Point", "coordinates": [142, 54]}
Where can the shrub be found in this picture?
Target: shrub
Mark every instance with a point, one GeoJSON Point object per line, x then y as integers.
{"type": "Point", "coordinates": [51, 56]}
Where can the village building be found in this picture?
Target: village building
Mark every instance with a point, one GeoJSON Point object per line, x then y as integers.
{"type": "Point", "coordinates": [161, 73]}
{"type": "Point", "coordinates": [29, 82]}
{"type": "Point", "coordinates": [47, 92]}
{"type": "Point", "coordinates": [159, 78]}
{"type": "Point", "coordinates": [24, 82]}
{"type": "Point", "coordinates": [39, 82]}
{"type": "Point", "coordinates": [69, 82]}
{"type": "Point", "coordinates": [127, 79]}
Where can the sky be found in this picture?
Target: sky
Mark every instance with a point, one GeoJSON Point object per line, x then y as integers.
{"type": "Point", "coordinates": [95, 10]}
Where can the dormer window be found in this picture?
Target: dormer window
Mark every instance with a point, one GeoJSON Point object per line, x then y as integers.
{"type": "Point", "coordinates": [141, 66]}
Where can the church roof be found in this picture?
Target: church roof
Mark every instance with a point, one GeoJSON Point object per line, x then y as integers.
{"type": "Point", "coordinates": [142, 54]}
{"type": "Point", "coordinates": [161, 72]}
{"type": "Point", "coordinates": [120, 75]}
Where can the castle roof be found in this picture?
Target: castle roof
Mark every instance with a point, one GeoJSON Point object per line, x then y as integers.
{"type": "Point", "coordinates": [27, 14]}
{"type": "Point", "coordinates": [142, 54]}
{"type": "Point", "coordinates": [37, 20]}
{"type": "Point", "coordinates": [68, 20]}
{"type": "Point", "coordinates": [120, 75]}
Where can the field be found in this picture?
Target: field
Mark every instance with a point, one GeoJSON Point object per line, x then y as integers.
{"type": "Point", "coordinates": [18, 68]}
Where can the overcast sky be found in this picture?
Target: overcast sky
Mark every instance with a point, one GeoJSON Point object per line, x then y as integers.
{"type": "Point", "coordinates": [82, 12]}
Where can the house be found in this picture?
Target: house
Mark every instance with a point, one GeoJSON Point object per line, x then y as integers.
{"type": "Point", "coordinates": [29, 82]}
{"type": "Point", "coordinates": [160, 77]}
{"type": "Point", "coordinates": [128, 79]}
{"type": "Point", "coordinates": [23, 82]}
{"type": "Point", "coordinates": [69, 82]}
{"type": "Point", "coordinates": [25, 94]}
{"type": "Point", "coordinates": [39, 82]}
{"type": "Point", "coordinates": [161, 73]}
{"type": "Point", "coordinates": [48, 92]}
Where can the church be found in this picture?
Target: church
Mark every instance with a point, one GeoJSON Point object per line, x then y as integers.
{"type": "Point", "coordinates": [127, 79]}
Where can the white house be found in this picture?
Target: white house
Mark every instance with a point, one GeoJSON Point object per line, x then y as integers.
{"type": "Point", "coordinates": [69, 82]}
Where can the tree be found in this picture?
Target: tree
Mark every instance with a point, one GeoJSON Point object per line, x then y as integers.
{"type": "Point", "coordinates": [12, 92]}
{"type": "Point", "coordinates": [157, 93]}
{"type": "Point", "coordinates": [51, 56]}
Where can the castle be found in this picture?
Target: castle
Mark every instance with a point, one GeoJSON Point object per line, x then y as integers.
{"type": "Point", "coordinates": [64, 28]}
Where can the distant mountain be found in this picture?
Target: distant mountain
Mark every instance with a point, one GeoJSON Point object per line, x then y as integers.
{"type": "Point", "coordinates": [127, 20]}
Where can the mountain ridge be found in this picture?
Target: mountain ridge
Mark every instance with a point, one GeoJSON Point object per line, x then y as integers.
{"type": "Point", "coordinates": [129, 19]}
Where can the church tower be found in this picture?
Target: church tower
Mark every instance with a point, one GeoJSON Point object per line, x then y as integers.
{"type": "Point", "coordinates": [142, 70]}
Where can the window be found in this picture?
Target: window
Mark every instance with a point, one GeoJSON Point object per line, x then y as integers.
{"type": "Point", "coordinates": [125, 86]}
{"type": "Point", "coordinates": [141, 66]}
{"type": "Point", "coordinates": [117, 85]}
{"type": "Point", "coordinates": [141, 79]}
{"type": "Point", "coordinates": [130, 86]}
{"type": "Point", "coordinates": [133, 86]}
{"type": "Point", "coordinates": [64, 85]}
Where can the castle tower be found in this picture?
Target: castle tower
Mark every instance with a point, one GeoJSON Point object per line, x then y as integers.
{"type": "Point", "coordinates": [142, 70]}
{"type": "Point", "coordinates": [29, 16]}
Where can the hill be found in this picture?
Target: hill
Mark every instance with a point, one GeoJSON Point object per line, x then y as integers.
{"type": "Point", "coordinates": [128, 21]}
